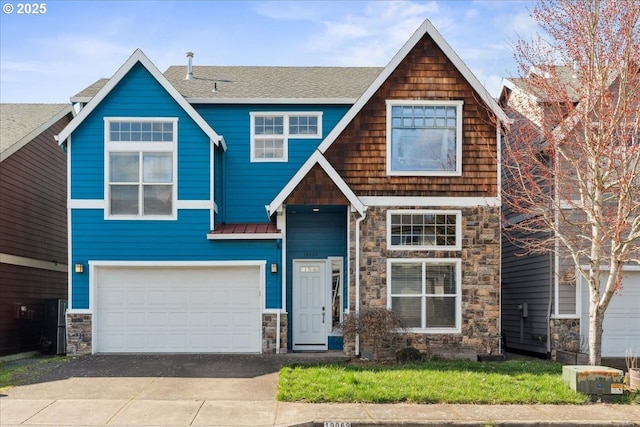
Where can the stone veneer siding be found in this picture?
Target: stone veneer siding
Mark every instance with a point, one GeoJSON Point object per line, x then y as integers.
{"type": "Point", "coordinates": [79, 337]}
{"type": "Point", "coordinates": [480, 293]}
{"type": "Point", "coordinates": [269, 333]}
{"type": "Point", "coordinates": [565, 335]}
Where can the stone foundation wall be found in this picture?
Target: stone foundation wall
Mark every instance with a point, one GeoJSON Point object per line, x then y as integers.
{"type": "Point", "coordinates": [480, 292]}
{"type": "Point", "coordinates": [79, 337]}
{"type": "Point", "coordinates": [269, 333]}
{"type": "Point", "coordinates": [566, 345]}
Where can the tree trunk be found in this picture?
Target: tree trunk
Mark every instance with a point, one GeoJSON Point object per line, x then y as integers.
{"type": "Point", "coordinates": [596, 316]}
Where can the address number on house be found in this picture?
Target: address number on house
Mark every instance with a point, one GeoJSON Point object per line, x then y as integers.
{"type": "Point", "coordinates": [337, 424]}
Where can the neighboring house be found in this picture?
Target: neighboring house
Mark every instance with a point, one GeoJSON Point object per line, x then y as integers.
{"type": "Point", "coordinates": [545, 302]}
{"type": "Point", "coordinates": [247, 209]}
{"type": "Point", "coordinates": [33, 220]}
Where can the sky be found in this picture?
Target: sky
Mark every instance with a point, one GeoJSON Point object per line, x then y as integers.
{"type": "Point", "coordinates": [50, 56]}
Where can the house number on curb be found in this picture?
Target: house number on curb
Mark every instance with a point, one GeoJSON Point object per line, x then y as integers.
{"type": "Point", "coordinates": [337, 424]}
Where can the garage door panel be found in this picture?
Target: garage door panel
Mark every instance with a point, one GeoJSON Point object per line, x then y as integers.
{"type": "Point", "coordinates": [208, 309]}
{"type": "Point", "coordinates": [243, 319]}
{"type": "Point", "coordinates": [621, 325]}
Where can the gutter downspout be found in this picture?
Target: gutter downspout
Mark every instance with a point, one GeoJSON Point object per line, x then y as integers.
{"type": "Point", "coordinates": [357, 274]}
{"type": "Point", "coordinates": [278, 332]}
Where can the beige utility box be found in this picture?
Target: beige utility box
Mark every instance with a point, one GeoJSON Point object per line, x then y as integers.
{"type": "Point", "coordinates": [598, 380]}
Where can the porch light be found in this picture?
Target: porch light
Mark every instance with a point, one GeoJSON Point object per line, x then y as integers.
{"type": "Point", "coordinates": [274, 267]}
{"type": "Point", "coordinates": [79, 268]}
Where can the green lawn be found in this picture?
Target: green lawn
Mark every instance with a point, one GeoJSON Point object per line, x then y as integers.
{"type": "Point", "coordinates": [16, 372]}
{"type": "Point", "coordinates": [510, 382]}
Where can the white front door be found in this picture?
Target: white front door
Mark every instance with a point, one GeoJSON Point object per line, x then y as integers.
{"type": "Point", "coordinates": [310, 312]}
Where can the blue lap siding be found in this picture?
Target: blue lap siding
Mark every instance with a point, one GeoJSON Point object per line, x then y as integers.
{"type": "Point", "coordinates": [242, 188]}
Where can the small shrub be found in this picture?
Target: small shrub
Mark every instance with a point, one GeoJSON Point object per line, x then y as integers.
{"type": "Point", "coordinates": [373, 325]}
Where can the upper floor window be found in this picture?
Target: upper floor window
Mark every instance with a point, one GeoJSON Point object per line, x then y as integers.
{"type": "Point", "coordinates": [140, 168]}
{"type": "Point", "coordinates": [424, 138]}
{"type": "Point", "coordinates": [426, 293]}
{"type": "Point", "coordinates": [270, 133]}
{"type": "Point", "coordinates": [424, 230]}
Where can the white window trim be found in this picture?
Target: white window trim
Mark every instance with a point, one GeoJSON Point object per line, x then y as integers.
{"type": "Point", "coordinates": [137, 147]}
{"type": "Point", "coordinates": [459, 119]}
{"type": "Point", "coordinates": [456, 247]}
{"type": "Point", "coordinates": [286, 136]}
{"type": "Point", "coordinates": [458, 295]}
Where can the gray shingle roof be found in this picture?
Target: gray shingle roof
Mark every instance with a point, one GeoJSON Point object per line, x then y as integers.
{"type": "Point", "coordinates": [90, 91]}
{"type": "Point", "coordinates": [254, 82]}
{"type": "Point", "coordinates": [565, 75]}
{"type": "Point", "coordinates": [272, 82]}
{"type": "Point", "coordinates": [19, 120]}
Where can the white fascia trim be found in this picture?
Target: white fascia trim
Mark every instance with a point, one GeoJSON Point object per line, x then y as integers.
{"type": "Point", "coordinates": [430, 201]}
{"type": "Point", "coordinates": [425, 28]}
{"type": "Point", "coordinates": [279, 101]}
{"type": "Point", "coordinates": [32, 263]}
{"type": "Point", "coordinates": [248, 263]}
{"type": "Point", "coordinates": [625, 267]}
{"type": "Point", "coordinates": [180, 204]}
{"type": "Point", "coordinates": [194, 204]}
{"type": "Point", "coordinates": [318, 158]}
{"type": "Point", "coordinates": [507, 83]}
{"type": "Point", "coordinates": [33, 134]}
{"type": "Point", "coordinates": [79, 311]}
{"type": "Point", "coordinates": [247, 236]}
{"type": "Point", "coordinates": [137, 57]}
{"type": "Point", "coordinates": [86, 204]}
{"type": "Point", "coordinates": [223, 143]}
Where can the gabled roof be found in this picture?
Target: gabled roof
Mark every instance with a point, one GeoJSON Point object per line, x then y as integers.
{"type": "Point", "coordinates": [564, 74]}
{"type": "Point", "coordinates": [256, 84]}
{"type": "Point", "coordinates": [90, 91]}
{"type": "Point", "coordinates": [138, 57]}
{"type": "Point", "coordinates": [425, 29]}
{"type": "Point", "coordinates": [318, 156]}
{"type": "Point", "coordinates": [319, 159]}
{"type": "Point", "coordinates": [21, 123]}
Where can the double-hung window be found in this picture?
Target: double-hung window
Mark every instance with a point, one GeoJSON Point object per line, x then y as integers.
{"type": "Point", "coordinates": [426, 293]}
{"type": "Point", "coordinates": [424, 230]}
{"type": "Point", "coordinates": [140, 168]}
{"type": "Point", "coordinates": [424, 138]}
{"type": "Point", "coordinates": [271, 132]}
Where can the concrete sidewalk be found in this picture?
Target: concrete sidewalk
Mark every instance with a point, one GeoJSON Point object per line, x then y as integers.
{"type": "Point", "coordinates": [227, 400]}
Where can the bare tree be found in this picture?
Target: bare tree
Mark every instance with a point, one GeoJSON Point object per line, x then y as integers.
{"type": "Point", "coordinates": [571, 157]}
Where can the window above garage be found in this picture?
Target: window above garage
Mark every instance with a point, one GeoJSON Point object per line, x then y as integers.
{"type": "Point", "coordinates": [140, 168]}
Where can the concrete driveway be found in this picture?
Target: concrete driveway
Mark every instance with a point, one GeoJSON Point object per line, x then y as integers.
{"type": "Point", "coordinates": [149, 390]}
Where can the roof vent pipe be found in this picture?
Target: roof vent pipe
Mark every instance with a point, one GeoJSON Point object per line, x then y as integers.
{"type": "Point", "coordinates": [189, 66]}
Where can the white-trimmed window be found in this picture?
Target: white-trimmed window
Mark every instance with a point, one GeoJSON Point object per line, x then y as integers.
{"type": "Point", "coordinates": [270, 133]}
{"type": "Point", "coordinates": [140, 168]}
{"type": "Point", "coordinates": [424, 138]}
{"type": "Point", "coordinates": [424, 230]}
{"type": "Point", "coordinates": [426, 293]}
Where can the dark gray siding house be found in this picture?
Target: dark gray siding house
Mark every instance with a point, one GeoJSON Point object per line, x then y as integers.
{"type": "Point", "coordinates": [33, 221]}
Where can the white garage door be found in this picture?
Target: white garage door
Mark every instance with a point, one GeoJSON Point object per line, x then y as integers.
{"type": "Point", "coordinates": [621, 326]}
{"type": "Point", "coordinates": [178, 310]}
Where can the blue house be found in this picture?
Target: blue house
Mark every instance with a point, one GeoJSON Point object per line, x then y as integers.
{"type": "Point", "coordinates": [249, 209]}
